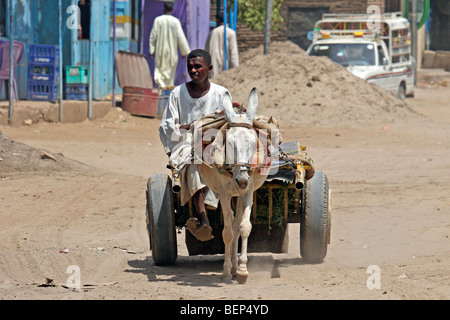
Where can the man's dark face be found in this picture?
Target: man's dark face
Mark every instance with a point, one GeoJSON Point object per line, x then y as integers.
{"type": "Point", "coordinates": [198, 69]}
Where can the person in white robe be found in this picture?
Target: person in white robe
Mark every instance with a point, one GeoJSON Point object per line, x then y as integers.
{"type": "Point", "coordinates": [215, 46]}
{"type": "Point", "coordinates": [187, 103]}
{"type": "Point", "coordinates": [165, 38]}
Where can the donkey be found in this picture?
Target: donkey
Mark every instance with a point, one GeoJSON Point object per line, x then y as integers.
{"type": "Point", "coordinates": [243, 178]}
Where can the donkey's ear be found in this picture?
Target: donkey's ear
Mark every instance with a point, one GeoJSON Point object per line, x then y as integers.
{"type": "Point", "coordinates": [252, 104]}
{"type": "Point", "coordinates": [230, 115]}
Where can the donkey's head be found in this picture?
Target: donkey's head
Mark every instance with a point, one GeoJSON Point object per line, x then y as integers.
{"type": "Point", "coordinates": [241, 139]}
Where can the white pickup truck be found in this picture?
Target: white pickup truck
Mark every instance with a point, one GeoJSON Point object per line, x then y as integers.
{"type": "Point", "coordinates": [375, 51]}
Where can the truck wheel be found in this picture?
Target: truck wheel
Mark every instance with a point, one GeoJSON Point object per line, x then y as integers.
{"type": "Point", "coordinates": [315, 219]}
{"type": "Point", "coordinates": [160, 216]}
{"type": "Point", "coordinates": [401, 92]}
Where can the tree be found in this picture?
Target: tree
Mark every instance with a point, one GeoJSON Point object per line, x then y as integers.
{"type": "Point", "coordinates": [253, 13]}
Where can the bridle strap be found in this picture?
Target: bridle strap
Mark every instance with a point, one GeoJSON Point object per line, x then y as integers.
{"type": "Point", "coordinates": [243, 125]}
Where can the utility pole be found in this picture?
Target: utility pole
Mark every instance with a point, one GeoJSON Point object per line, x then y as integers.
{"type": "Point", "coordinates": [12, 13]}
{"type": "Point", "coordinates": [414, 35]}
{"type": "Point", "coordinates": [267, 26]}
{"type": "Point", "coordinates": [60, 41]}
{"type": "Point", "coordinates": [114, 53]}
{"type": "Point", "coordinates": [225, 48]}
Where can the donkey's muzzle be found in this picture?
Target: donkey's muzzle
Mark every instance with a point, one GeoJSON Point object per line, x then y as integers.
{"type": "Point", "coordinates": [242, 183]}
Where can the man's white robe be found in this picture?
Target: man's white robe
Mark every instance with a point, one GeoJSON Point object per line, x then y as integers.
{"type": "Point", "coordinates": [178, 143]}
{"type": "Point", "coordinates": [215, 46]}
{"type": "Point", "coordinates": [165, 38]}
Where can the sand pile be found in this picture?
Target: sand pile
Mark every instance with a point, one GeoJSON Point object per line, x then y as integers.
{"type": "Point", "coordinates": [311, 91]}
{"type": "Point", "coordinates": [19, 157]}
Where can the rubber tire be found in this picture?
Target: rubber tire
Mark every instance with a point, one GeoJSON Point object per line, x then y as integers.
{"type": "Point", "coordinates": [401, 92]}
{"type": "Point", "coordinates": [160, 216]}
{"type": "Point", "coordinates": [315, 219]}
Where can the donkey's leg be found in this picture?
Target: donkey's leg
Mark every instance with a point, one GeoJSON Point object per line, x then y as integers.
{"type": "Point", "coordinates": [236, 234]}
{"type": "Point", "coordinates": [245, 228]}
{"type": "Point", "coordinates": [227, 234]}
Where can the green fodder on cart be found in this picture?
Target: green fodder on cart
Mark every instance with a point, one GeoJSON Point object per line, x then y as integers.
{"type": "Point", "coordinates": [266, 197]}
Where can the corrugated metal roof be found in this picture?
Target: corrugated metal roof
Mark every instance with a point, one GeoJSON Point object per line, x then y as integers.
{"type": "Point", "coordinates": [133, 70]}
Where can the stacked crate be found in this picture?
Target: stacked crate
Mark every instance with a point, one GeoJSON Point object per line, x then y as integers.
{"type": "Point", "coordinates": [77, 82]}
{"type": "Point", "coordinates": [43, 72]}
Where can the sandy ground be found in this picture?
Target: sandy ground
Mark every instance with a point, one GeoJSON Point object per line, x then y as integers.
{"type": "Point", "coordinates": [390, 208]}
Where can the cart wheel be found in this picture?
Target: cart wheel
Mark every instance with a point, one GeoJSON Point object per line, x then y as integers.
{"type": "Point", "coordinates": [161, 220]}
{"type": "Point", "coordinates": [315, 219]}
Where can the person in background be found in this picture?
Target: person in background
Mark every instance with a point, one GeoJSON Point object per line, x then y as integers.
{"type": "Point", "coordinates": [85, 18]}
{"type": "Point", "coordinates": [165, 38]}
{"type": "Point", "coordinates": [215, 46]}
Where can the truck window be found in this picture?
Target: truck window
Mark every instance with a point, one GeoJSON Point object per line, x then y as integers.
{"type": "Point", "coordinates": [346, 54]}
{"type": "Point", "coordinates": [400, 58]}
{"type": "Point", "coordinates": [381, 56]}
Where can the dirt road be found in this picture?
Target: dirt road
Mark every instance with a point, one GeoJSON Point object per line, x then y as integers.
{"type": "Point", "coordinates": [390, 208]}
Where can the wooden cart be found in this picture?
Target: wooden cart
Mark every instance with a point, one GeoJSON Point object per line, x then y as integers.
{"type": "Point", "coordinates": [281, 200]}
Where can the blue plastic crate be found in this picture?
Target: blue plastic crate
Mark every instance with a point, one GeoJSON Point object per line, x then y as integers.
{"type": "Point", "coordinates": [76, 91]}
{"type": "Point", "coordinates": [42, 91]}
{"type": "Point", "coordinates": [43, 53]}
{"type": "Point", "coordinates": [77, 88]}
{"type": "Point", "coordinates": [77, 74]}
{"type": "Point", "coordinates": [76, 96]}
{"type": "Point", "coordinates": [43, 73]}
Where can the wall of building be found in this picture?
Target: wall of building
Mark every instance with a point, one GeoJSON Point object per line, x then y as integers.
{"type": "Point", "coordinates": [299, 17]}
{"type": "Point", "coordinates": [440, 25]}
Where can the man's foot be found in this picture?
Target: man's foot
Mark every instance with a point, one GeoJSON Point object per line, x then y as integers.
{"type": "Point", "coordinates": [202, 233]}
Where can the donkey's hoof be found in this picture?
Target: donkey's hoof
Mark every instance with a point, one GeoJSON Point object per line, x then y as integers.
{"type": "Point", "coordinates": [226, 277]}
{"type": "Point", "coordinates": [241, 278]}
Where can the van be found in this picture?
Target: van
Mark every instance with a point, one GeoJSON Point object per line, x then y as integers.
{"type": "Point", "coordinates": [378, 52]}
